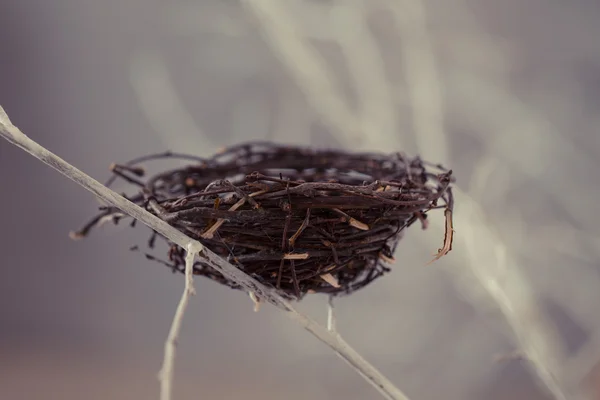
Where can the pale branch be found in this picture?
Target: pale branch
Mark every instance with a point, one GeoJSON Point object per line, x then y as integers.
{"type": "Point", "coordinates": [334, 341]}
{"type": "Point", "coordinates": [167, 371]}
{"type": "Point", "coordinates": [331, 326]}
{"type": "Point", "coordinates": [496, 270]}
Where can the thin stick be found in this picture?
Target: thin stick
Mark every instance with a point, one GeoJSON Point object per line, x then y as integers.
{"type": "Point", "coordinates": [168, 368]}
{"type": "Point", "coordinates": [498, 273]}
{"type": "Point", "coordinates": [331, 315]}
{"type": "Point", "coordinates": [335, 342]}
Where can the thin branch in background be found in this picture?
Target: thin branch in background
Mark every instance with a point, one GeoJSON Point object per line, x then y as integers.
{"type": "Point", "coordinates": [512, 120]}
{"type": "Point", "coordinates": [162, 105]}
{"type": "Point", "coordinates": [498, 273]}
{"type": "Point", "coordinates": [385, 387]}
{"type": "Point", "coordinates": [306, 67]}
{"type": "Point", "coordinates": [366, 67]}
{"type": "Point", "coordinates": [167, 371]}
{"type": "Point", "coordinates": [424, 85]}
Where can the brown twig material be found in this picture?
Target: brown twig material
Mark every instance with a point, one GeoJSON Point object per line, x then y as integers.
{"type": "Point", "coordinates": [298, 219]}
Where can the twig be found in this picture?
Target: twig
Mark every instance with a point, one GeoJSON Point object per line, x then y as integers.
{"type": "Point", "coordinates": [307, 68]}
{"type": "Point", "coordinates": [331, 315]}
{"type": "Point", "coordinates": [335, 342]}
{"type": "Point", "coordinates": [503, 281]}
{"type": "Point", "coordinates": [167, 371]}
{"type": "Point", "coordinates": [422, 76]}
{"type": "Point", "coordinates": [491, 264]}
{"type": "Point", "coordinates": [367, 72]}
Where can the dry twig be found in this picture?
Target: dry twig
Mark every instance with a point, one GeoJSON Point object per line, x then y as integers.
{"type": "Point", "coordinates": [167, 371]}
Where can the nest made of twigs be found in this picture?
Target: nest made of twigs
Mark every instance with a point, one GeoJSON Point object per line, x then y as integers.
{"type": "Point", "coordinates": [298, 219]}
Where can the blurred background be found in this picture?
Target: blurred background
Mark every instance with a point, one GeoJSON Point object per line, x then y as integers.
{"type": "Point", "coordinates": [507, 94]}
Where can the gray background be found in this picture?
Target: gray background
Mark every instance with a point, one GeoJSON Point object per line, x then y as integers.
{"type": "Point", "coordinates": [102, 82]}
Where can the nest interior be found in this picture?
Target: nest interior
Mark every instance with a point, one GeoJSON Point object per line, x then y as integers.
{"type": "Point", "coordinates": [298, 219]}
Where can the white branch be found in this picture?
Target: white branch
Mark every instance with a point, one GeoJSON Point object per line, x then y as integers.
{"type": "Point", "coordinates": [168, 368]}
{"type": "Point", "coordinates": [306, 66]}
{"type": "Point", "coordinates": [331, 325]}
{"type": "Point", "coordinates": [376, 109]}
{"type": "Point", "coordinates": [337, 344]}
{"type": "Point", "coordinates": [490, 262]}
{"type": "Point", "coordinates": [424, 85]}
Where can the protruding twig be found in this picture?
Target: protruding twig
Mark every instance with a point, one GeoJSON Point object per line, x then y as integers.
{"type": "Point", "coordinates": [448, 237]}
{"type": "Point", "coordinates": [331, 280]}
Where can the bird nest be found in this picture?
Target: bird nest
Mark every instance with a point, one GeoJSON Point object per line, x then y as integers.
{"type": "Point", "coordinates": [298, 219]}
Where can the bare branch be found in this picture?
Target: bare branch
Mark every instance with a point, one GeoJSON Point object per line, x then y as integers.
{"type": "Point", "coordinates": [331, 326]}
{"type": "Point", "coordinates": [168, 369]}
{"type": "Point", "coordinates": [490, 262]}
